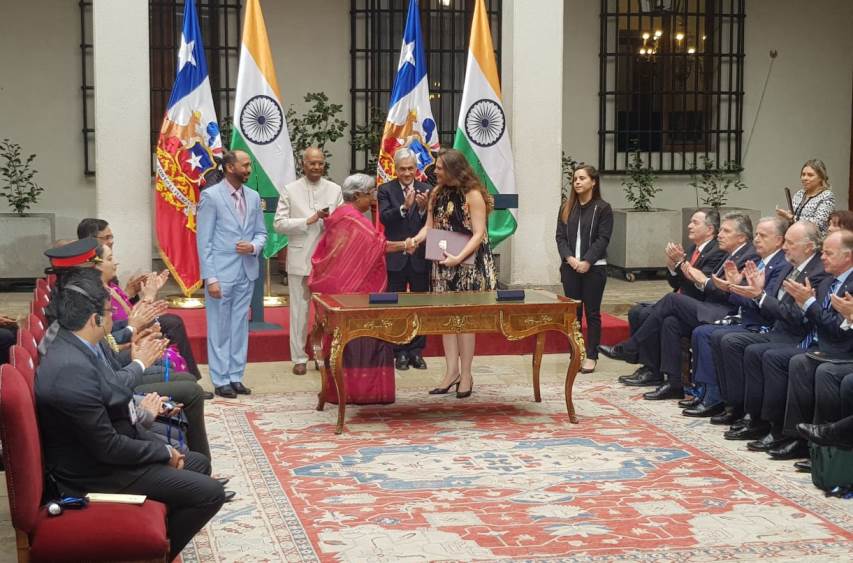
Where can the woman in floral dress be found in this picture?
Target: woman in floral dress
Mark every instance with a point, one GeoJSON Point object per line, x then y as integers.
{"type": "Point", "coordinates": [459, 203]}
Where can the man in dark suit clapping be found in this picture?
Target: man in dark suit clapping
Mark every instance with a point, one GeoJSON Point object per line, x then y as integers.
{"type": "Point", "coordinates": [87, 420]}
{"type": "Point", "coordinates": [402, 210]}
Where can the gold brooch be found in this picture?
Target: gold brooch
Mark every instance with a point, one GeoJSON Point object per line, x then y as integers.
{"type": "Point", "coordinates": [450, 207]}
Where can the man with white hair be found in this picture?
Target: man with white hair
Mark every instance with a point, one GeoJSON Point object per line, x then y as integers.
{"type": "Point", "coordinates": [302, 207]}
{"type": "Point", "coordinates": [402, 210]}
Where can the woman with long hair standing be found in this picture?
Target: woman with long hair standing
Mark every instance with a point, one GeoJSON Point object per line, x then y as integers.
{"type": "Point", "coordinates": [815, 201]}
{"type": "Point", "coordinates": [459, 203]}
{"type": "Point", "coordinates": [584, 225]}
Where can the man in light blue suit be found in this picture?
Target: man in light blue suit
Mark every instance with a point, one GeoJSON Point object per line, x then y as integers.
{"type": "Point", "coordinates": [231, 235]}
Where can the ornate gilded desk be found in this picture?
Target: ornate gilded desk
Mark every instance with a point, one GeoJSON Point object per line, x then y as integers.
{"type": "Point", "coordinates": [348, 316]}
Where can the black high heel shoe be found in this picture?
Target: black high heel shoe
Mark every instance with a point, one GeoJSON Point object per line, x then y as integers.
{"type": "Point", "coordinates": [464, 394]}
{"type": "Point", "coordinates": [444, 390]}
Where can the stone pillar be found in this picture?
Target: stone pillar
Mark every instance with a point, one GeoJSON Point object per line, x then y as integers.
{"type": "Point", "coordinates": [122, 128]}
{"type": "Point", "coordinates": [533, 94]}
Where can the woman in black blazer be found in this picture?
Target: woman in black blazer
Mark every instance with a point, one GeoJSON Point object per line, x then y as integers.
{"type": "Point", "coordinates": [584, 226]}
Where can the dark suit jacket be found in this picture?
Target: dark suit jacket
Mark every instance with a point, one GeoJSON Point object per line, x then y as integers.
{"type": "Point", "coordinates": [830, 338]}
{"type": "Point", "coordinates": [716, 303]}
{"type": "Point", "coordinates": [87, 437]}
{"type": "Point", "coordinates": [709, 260]}
{"type": "Point", "coordinates": [390, 198]}
{"type": "Point", "coordinates": [786, 315]}
{"type": "Point", "coordinates": [774, 273]}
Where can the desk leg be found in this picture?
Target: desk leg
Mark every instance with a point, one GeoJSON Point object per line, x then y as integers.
{"type": "Point", "coordinates": [537, 364]}
{"type": "Point", "coordinates": [317, 345]}
{"type": "Point", "coordinates": [574, 366]}
{"type": "Point", "coordinates": [336, 361]}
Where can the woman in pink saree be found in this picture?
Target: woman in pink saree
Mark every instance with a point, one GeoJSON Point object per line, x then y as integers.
{"type": "Point", "coordinates": [350, 258]}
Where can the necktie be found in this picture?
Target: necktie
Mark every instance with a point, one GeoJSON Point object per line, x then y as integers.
{"type": "Point", "coordinates": [694, 257]}
{"type": "Point", "coordinates": [812, 335]}
{"type": "Point", "coordinates": [239, 205]}
{"type": "Point", "coordinates": [790, 277]}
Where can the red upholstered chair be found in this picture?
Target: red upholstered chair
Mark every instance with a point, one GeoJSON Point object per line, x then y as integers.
{"type": "Point", "coordinates": [27, 341]}
{"type": "Point", "coordinates": [41, 296]}
{"type": "Point", "coordinates": [36, 326]}
{"type": "Point", "coordinates": [23, 362]}
{"type": "Point", "coordinates": [38, 311]}
{"type": "Point", "coordinates": [99, 532]}
{"type": "Point", "coordinates": [42, 283]}
{"type": "Point", "coordinates": [51, 281]}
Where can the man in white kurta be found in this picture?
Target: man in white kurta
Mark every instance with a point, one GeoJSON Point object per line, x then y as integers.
{"type": "Point", "coordinates": [302, 206]}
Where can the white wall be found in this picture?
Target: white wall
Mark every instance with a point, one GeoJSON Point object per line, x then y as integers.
{"type": "Point", "coordinates": [806, 111]}
{"type": "Point", "coordinates": [310, 46]}
{"type": "Point", "coordinates": [40, 103]}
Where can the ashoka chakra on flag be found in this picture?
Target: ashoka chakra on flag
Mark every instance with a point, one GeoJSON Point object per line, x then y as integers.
{"type": "Point", "coordinates": [261, 120]}
{"type": "Point", "coordinates": [485, 123]}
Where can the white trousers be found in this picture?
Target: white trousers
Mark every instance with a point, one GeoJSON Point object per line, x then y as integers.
{"type": "Point", "coordinates": [300, 297]}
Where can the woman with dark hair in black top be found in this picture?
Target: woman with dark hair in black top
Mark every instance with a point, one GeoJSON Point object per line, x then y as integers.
{"type": "Point", "coordinates": [584, 226]}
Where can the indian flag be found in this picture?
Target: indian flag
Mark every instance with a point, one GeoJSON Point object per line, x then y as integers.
{"type": "Point", "coordinates": [481, 133]}
{"type": "Point", "coordinates": [259, 125]}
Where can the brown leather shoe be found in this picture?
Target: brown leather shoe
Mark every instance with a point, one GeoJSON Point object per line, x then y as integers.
{"type": "Point", "coordinates": [300, 369]}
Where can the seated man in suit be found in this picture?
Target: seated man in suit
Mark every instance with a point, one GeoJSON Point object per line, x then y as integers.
{"type": "Point", "coordinates": [785, 318]}
{"type": "Point", "coordinates": [402, 210]}
{"type": "Point", "coordinates": [768, 386]}
{"type": "Point", "coordinates": [769, 236]}
{"type": "Point", "coordinates": [832, 360]}
{"type": "Point", "coordinates": [88, 421]}
{"type": "Point", "coordinates": [676, 315]}
{"type": "Point", "coordinates": [837, 432]}
{"type": "Point", "coordinates": [704, 254]}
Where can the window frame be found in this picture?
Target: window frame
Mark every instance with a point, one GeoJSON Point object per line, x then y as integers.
{"type": "Point", "coordinates": [375, 52]}
{"type": "Point", "coordinates": [710, 92]}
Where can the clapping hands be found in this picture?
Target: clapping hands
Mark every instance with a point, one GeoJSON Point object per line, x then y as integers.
{"type": "Point", "coordinates": [799, 291]}
{"type": "Point", "coordinates": [152, 284]}
{"type": "Point", "coordinates": [844, 305]}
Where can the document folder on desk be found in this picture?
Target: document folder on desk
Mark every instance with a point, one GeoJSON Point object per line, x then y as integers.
{"type": "Point", "coordinates": [439, 241]}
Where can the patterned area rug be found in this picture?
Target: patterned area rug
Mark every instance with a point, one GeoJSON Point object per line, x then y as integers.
{"type": "Point", "coordinates": [499, 477]}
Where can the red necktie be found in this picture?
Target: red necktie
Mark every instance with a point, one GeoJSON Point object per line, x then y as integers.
{"type": "Point", "coordinates": [695, 257]}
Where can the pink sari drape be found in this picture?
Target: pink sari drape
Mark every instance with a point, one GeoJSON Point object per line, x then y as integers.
{"type": "Point", "coordinates": [121, 305]}
{"type": "Point", "coordinates": [350, 258]}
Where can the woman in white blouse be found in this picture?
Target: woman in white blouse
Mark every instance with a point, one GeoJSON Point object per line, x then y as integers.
{"type": "Point", "coordinates": [815, 201]}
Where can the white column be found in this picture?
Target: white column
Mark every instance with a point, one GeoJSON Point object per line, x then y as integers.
{"type": "Point", "coordinates": [533, 86]}
{"type": "Point", "coordinates": [122, 128]}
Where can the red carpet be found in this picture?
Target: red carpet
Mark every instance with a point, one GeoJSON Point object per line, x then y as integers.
{"type": "Point", "coordinates": [272, 346]}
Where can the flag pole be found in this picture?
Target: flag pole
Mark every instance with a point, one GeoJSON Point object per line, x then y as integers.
{"type": "Point", "coordinates": [271, 300]}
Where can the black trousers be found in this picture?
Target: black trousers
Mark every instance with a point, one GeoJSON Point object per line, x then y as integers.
{"type": "Point", "coordinates": [400, 281]}
{"type": "Point", "coordinates": [172, 327]}
{"type": "Point", "coordinates": [649, 356]}
{"type": "Point", "coordinates": [673, 317]}
{"type": "Point", "coordinates": [732, 368]}
{"type": "Point", "coordinates": [182, 388]}
{"type": "Point", "coordinates": [833, 395]}
{"type": "Point", "coordinates": [587, 288]}
{"type": "Point", "coordinates": [775, 372]}
{"type": "Point", "coordinates": [803, 404]}
{"type": "Point", "coordinates": [191, 496]}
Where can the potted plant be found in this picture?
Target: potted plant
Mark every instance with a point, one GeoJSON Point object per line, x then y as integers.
{"type": "Point", "coordinates": [568, 166]}
{"type": "Point", "coordinates": [24, 234]}
{"type": "Point", "coordinates": [712, 184]}
{"type": "Point", "coordinates": [316, 127]}
{"type": "Point", "coordinates": [640, 233]}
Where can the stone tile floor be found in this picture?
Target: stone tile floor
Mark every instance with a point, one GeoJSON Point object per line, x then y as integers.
{"type": "Point", "coordinates": [276, 377]}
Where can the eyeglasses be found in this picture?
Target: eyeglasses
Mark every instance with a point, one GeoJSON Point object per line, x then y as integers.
{"type": "Point", "coordinates": [106, 238]}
